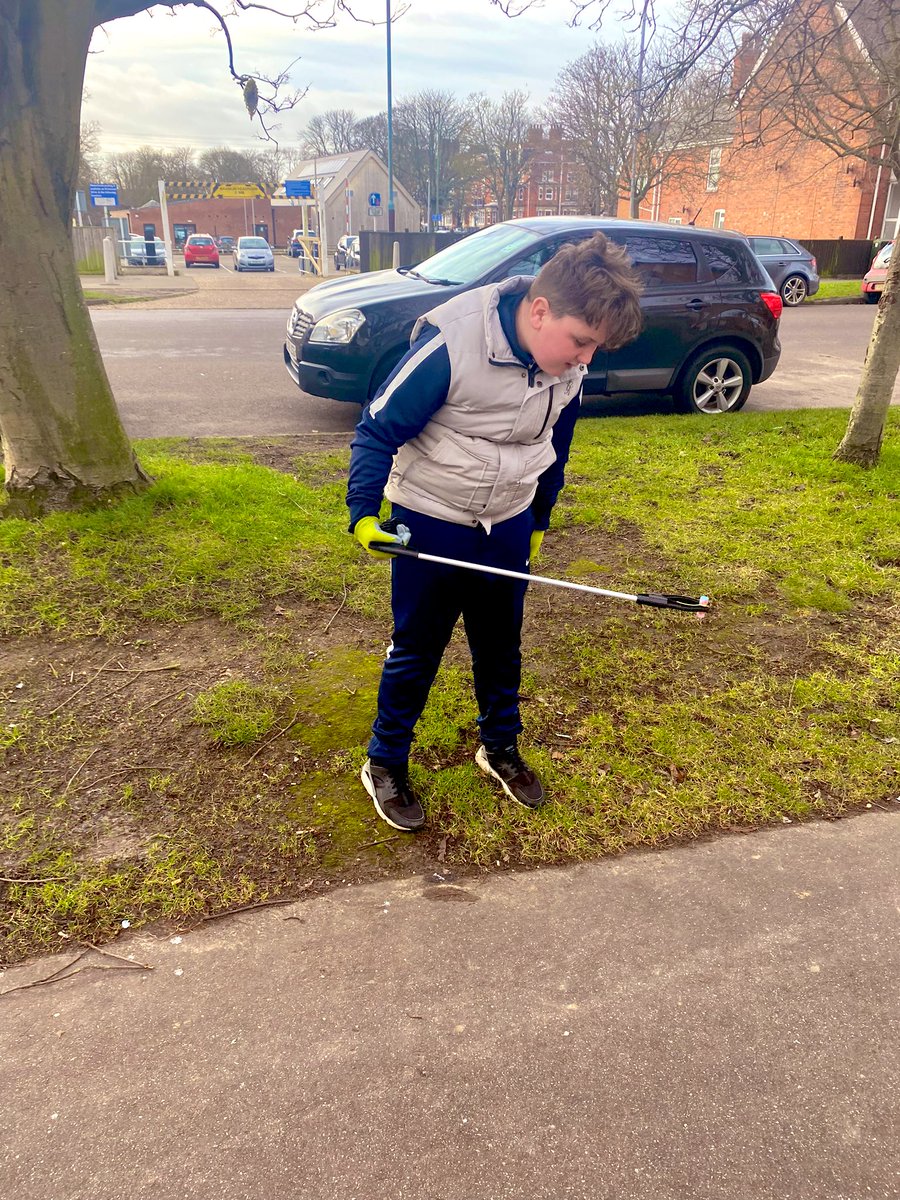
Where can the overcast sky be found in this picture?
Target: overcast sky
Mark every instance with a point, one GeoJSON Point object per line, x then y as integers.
{"type": "Point", "coordinates": [161, 79]}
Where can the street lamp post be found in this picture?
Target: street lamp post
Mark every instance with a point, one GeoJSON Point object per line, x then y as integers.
{"type": "Point", "coordinates": [390, 128]}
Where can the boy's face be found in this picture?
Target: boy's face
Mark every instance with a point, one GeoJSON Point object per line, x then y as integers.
{"type": "Point", "coordinates": [556, 343]}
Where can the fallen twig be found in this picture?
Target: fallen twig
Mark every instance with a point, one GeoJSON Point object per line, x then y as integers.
{"type": "Point", "coordinates": [168, 696]}
{"type": "Point", "coordinates": [380, 842]}
{"type": "Point", "coordinates": [230, 912]}
{"type": "Point", "coordinates": [293, 721]}
{"type": "Point", "coordinates": [340, 606]}
{"type": "Point", "coordinates": [124, 771]}
{"type": "Point", "coordinates": [46, 879]}
{"type": "Point", "coordinates": [141, 670]}
{"type": "Point", "coordinates": [80, 689]}
{"type": "Point", "coordinates": [78, 772]}
{"type": "Point", "coordinates": [61, 973]}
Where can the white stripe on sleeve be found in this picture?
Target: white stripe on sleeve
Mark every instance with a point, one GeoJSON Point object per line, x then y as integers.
{"type": "Point", "coordinates": [434, 343]}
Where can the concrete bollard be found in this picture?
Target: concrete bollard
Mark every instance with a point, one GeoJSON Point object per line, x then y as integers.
{"type": "Point", "coordinates": [109, 260]}
{"type": "Point", "coordinates": [395, 262]}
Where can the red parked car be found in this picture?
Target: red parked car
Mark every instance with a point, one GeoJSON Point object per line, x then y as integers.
{"type": "Point", "coordinates": [201, 248]}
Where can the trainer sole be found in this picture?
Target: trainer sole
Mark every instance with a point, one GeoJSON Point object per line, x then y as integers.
{"type": "Point", "coordinates": [370, 788]}
{"type": "Point", "coordinates": [481, 759]}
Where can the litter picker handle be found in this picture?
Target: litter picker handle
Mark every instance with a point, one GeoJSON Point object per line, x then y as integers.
{"type": "Point", "coordinates": [653, 599]}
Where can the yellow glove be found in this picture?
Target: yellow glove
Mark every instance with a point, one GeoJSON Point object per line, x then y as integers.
{"type": "Point", "coordinates": [534, 547]}
{"type": "Point", "coordinates": [369, 533]}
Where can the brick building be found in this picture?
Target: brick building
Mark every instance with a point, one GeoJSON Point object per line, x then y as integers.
{"type": "Point", "coordinates": [775, 182]}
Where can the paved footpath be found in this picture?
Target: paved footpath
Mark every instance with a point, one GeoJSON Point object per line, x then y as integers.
{"type": "Point", "coordinates": [713, 1021]}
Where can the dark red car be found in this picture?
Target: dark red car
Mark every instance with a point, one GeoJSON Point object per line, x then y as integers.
{"type": "Point", "coordinates": [201, 248]}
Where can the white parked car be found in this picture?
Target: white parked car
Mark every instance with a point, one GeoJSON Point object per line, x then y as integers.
{"type": "Point", "coordinates": [253, 254]}
{"type": "Point", "coordinates": [134, 251]}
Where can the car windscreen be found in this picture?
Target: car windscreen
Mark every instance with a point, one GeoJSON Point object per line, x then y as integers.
{"type": "Point", "coordinates": [253, 244]}
{"type": "Point", "coordinates": [468, 260]}
{"type": "Point", "coordinates": [883, 257]}
{"type": "Point", "coordinates": [200, 241]}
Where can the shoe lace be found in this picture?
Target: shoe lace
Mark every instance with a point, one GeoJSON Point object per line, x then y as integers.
{"type": "Point", "coordinates": [397, 779]}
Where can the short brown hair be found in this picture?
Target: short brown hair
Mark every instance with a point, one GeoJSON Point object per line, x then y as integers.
{"type": "Point", "coordinates": [594, 281]}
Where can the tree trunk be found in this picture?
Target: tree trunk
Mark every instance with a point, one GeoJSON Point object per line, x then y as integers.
{"type": "Point", "coordinates": [62, 438]}
{"type": "Point", "coordinates": [862, 441]}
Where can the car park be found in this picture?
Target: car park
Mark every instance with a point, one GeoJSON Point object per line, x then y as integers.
{"type": "Point", "coordinates": [873, 280]}
{"type": "Point", "coordinates": [253, 254]}
{"type": "Point", "coordinates": [792, 268]}
{"type": "Point", "coordinates": [199, 249]}
{"type": "Point", "coordinates": [711, 312]}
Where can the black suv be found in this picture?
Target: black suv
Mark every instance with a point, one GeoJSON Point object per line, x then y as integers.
{"type": "Point", "coordinates": [710, 312]}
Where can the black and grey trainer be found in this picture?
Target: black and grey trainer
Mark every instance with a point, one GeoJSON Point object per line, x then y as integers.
{"type": "Point", "coordinates": [394, 799]}
{"type": "Point", "coordinates": [517, 778]}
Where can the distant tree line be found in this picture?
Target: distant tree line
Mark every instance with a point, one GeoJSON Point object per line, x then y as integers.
{"type": "Point", "coordinates": [604, 103]}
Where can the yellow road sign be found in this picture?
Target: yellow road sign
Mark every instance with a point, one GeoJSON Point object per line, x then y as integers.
{"type": "Point", "coordinates": [239, 191]}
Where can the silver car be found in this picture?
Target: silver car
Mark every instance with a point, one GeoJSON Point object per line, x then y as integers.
{"type": "Point", "coordinates": [253, 254]}
{"type": "Point", "coordinates": [793, 269]}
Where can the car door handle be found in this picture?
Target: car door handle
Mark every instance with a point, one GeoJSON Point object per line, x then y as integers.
{"type": "Point", "coordinates": [696, 304]}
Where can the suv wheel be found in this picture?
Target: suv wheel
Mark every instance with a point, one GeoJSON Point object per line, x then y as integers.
{"type": "Point", "coordinates": [794, 290]}
{"type": "Point", "coordinates": [717, 380]}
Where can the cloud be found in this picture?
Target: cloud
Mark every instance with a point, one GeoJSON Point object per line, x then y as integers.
{"type": "Point", "coordinates": [163, 80]}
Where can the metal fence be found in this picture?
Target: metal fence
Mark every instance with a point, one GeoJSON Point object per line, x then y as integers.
{"type": "Point", "coordinates": [839, 256]}
{"type": "Point", "coordinates": [376, 250]}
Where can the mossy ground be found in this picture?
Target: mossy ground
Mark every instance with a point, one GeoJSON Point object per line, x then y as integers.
{"type": "Point", "coordinates": [188, 678]}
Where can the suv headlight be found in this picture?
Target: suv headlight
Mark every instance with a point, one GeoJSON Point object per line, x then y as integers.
{"type": "Point", "coordinates": [338, 327]}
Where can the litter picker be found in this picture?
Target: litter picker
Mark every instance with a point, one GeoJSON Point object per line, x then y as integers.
{"type": "Point", "coordinates": [691, 604]}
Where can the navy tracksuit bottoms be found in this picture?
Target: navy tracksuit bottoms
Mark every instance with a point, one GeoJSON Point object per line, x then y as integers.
{"type": "Point", "coordinates": [427, 599]}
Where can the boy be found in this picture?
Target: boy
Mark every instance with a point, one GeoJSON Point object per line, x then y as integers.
{"type": "Point", "coordinates": [468, 439]}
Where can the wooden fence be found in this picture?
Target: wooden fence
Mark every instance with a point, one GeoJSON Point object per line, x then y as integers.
{"type": "Point", "coordinates": [87, 245]}
{"type": "Point", "coordinates": [839, 256]}
{"type": "Point", "coordinates": [376, 250]}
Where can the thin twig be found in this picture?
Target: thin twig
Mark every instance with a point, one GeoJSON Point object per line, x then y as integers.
{"type": "Point", "coordinates": [340, 606]}
{"type": "Point", "coordinates": [130, 962]}
{"type": "Point", "coordinates": [141, 670]}
{"type": "Point", "coordinates": [46, 879]}
{"type": "Point", "coordinates": [380, 842]}
{"type": "Point", "coordinates": [124, 771]}
{"type": "Point", "coordinates": [293, 721]}
{"type": "Point", "coordinates": [78, 772]}
{"type": "Point", "coordinates": [167, 696]}
{"type": "Point", "coordinates": [230, 912]}
{"type": "Point", "coordinates": [80, 689]}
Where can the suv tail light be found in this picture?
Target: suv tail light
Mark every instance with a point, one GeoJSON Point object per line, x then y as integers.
{"type": "Point", "coordinates": [773, 303]}
{"type": "Point", "coordinates": [815, 265]}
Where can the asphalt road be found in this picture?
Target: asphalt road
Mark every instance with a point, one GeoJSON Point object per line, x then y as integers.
{"type": "Point", "coordinates": [203, 372]}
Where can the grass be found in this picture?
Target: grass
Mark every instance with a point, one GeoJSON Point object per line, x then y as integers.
{"type": "Point", "coordinates": [199, 667]}
{"type": "Point", "coordinates": [100, 297]}
{"type": "Point", "coordinates": [831, 289]}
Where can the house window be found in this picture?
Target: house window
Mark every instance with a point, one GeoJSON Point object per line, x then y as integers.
{"type": "Point", "coordinates": [548, 193]}
{"type": "Point", "coordinates": [715, 166]}
{"type": "Point", "coordinates": [540, 193]}
{"type": "Point", "coordinates": [719, 218]}
{"type": "Point", "coordinates": [547, 177]}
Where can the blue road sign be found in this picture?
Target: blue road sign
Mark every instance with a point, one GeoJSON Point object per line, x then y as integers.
{"type": "Point", "coordinates": [374, 199]}
{"type": "Point", "coordinates": [297, 188]}
{"type": "Point", "coordinates": [104, 194]}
